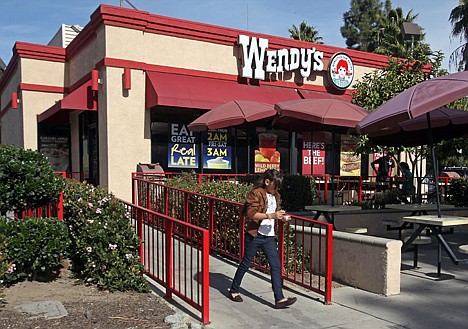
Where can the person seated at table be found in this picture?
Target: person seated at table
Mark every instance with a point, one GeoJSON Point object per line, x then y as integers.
{"type": "Point", "coordinates": [384, 170]}
{"type": "Point", "coordinates": [407, 182]}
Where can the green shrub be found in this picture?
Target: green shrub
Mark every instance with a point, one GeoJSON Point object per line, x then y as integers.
{"type": "Point", "coordinates": [26, 179]}
{"type": "Point", "coordinates": [104, 246]}
{"type": "Point", "coordinates": [458, 192]}
{"type": "Point", "coordinates": [390, 196]}
{"type": "Point", "coordinates": [33, 247]}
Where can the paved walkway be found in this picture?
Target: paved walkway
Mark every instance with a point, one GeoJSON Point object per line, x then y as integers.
{"type": "Point", "coordinates": [425, 301]}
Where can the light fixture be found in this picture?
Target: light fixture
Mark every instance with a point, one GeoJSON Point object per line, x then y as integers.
{"type": "Point", "coordinates": [14, 100]}
{"type": "Point", "coordinates": [127, 78]}
{"type": "Point", "coordinates": [95, 80]}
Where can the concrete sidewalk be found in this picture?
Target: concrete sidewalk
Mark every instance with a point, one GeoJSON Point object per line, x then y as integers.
{"type": "Point", "coordinates": [425, 301]}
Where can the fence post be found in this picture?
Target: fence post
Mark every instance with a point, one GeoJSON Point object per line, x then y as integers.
{"type": "Point", "coordinates": [241, 235]}
{"type": "Point", "coordinates": [60, 206]}
{"type": "Point", "coordinates": [133, 189]}
{"type": "Point", "coordinates": [206, 278]}
{"type": "Point", "coordinates": [281, 245]}
{"type": "Point", "coordinates": [148, 196]}
{"type": "Point", "coordinates": [139, 215]}
{"type": "Point", "coordinates": [166, 201]}
{"type": "Point", "coordinates": [211, 220]}
{"type": "Point", "coordinates": [329, 262]}
{"type": "Point", "coordinates": [169, 264]}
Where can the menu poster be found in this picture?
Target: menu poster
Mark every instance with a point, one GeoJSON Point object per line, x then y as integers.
{"type": "Point", "coordinates": [57, 151]}
{"type": "Point", "coordinates": [267, 156]}
{"type": "Point", "coordinates": [350, 163]}
{"type": "Point", "coordinates": [182, 147]}
{"type": "Point", "coordinates": [216, 150]}
{"type": "Point", "coordinates": [313, 153]}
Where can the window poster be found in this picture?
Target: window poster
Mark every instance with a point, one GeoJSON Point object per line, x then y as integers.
{"type": "Point", "coordinates": [267, 156]}
{"type": "Point", "coordinates": [350, 163]}
{"type": "Point", "coordinates": [182, 147]}
{"type": "Point", "coordinates": [216, 150]}
{"type": "Point", "coordinates": [57, 151]}
{"type": "Point", "coordinates": [313, 153]}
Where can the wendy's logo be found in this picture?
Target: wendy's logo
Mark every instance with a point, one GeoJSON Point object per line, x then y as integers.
{"type": "Point", "coordinates": [341, 71]}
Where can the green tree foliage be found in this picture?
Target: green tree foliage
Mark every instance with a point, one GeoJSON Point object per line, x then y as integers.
{"type": "Point", "coordinates": [361, 23]}
{"type": "Point", "coordinates": [378, 86]}
{"type": "Point", "coordinates": [391, 40]}
{"type": "Point", "coordinates": [459, 20]}
{"type": "Point", "coordinates": [305, 33]}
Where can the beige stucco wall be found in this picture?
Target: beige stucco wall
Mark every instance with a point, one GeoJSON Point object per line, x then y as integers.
{"type": "Point", "coordinates": [191, 54]}
{"type": "Point", "coordinates": [12, 120]}
{"type": "Point", "coordinates": [33, 104]}
{"type": "Point", "coordinates": [86, 58]}
{"type": "Point", "coordinates": [124, 138]}
{"type": "Point", "coordinates": [41, 72]}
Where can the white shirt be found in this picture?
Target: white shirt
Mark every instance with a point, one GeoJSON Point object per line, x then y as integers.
{"type": "Point", "coordinates": [267, 226]}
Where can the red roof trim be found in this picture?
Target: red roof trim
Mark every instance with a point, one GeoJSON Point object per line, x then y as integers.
{"type": "Point", "coordinates": [42, 88]}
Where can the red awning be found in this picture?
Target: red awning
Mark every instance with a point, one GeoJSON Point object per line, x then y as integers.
{"type": "Point", "coordinates": [169, 89]}
{"type": "Point", "coordinates": [306, 94]}
{"type": "Point", "coordinates": [81, 99]}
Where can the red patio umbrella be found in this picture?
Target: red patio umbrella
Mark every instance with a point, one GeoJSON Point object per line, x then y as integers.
{"type": "Point", "coordinates": [320, 114]}
{"type": "Point", "coordinates": [446, 124]}
{"type": "Point", "coordinates": [333, 115]}
{"type": "Point", "coordinates": [231, 114]}
{"type": "Point", "coordinates": [415, 101]}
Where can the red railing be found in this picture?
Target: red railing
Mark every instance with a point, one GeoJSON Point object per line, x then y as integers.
{"type": "Point", "coordinates": [52, 209]}
{"type": "Point", "coordinates": [175, 254]}
{"type": "Point", "coordinates": [305, 245]}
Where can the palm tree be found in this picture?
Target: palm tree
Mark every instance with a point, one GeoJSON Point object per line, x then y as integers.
{"type": "Point", "coordinates": [459, 20]}
{"type": "Point", "coordinates": [305, 33]}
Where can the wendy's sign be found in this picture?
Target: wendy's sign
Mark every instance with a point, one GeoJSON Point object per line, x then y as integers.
{"type": "Point", "coordinates": [257, 60]}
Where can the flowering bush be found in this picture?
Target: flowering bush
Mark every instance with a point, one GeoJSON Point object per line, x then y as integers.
{"type": "Point", "coordinates": [104, 246]}
{"type": "Point", "coordinates": [4, 266]}
{"type": "Point", "coordinates": [32, 247]}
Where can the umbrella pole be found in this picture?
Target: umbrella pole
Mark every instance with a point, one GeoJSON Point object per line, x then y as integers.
{"type": "Point", "coordinates": [235, 152]}
{"type": "Point", "coordinates": [434, 164]}
{"type": "Point", "coordinates": [333, 168]}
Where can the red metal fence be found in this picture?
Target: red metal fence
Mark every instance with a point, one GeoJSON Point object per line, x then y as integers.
{"type": "Point", "coordinates": [175, 254]}
{"type": "Point", "coordinates": [347, 189]}
{"type": "Point", "coordinates": [305, 245]}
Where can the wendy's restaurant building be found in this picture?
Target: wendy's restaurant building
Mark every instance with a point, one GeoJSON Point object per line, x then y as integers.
{"type": "Point", "coordinates": [126, 86]}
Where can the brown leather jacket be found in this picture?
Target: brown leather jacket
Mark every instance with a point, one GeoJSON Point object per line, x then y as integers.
{"type": "Point", "coordinates": [256, 201]}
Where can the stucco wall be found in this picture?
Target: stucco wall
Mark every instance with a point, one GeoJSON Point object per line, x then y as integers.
{"type": "Point", "coordinates": [193, 55]}
{"type": "Point", "coordinates": [124, 138]}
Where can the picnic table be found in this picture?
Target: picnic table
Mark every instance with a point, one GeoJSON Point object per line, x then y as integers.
{"type": "Point", "coordinates": [435, 224]}
{"type": "Point", "coordinates": [329, 211]}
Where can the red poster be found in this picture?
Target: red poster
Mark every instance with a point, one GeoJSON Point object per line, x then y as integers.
{"type": "Point", "coordinates": [313, 153]}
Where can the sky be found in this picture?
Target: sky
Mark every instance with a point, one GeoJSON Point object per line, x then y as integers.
{"type": "Point", "coordinates": [36, 21]}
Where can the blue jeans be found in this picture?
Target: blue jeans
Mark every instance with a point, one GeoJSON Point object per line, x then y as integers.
{"type": "Point", "coordinates": [268, 245]}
